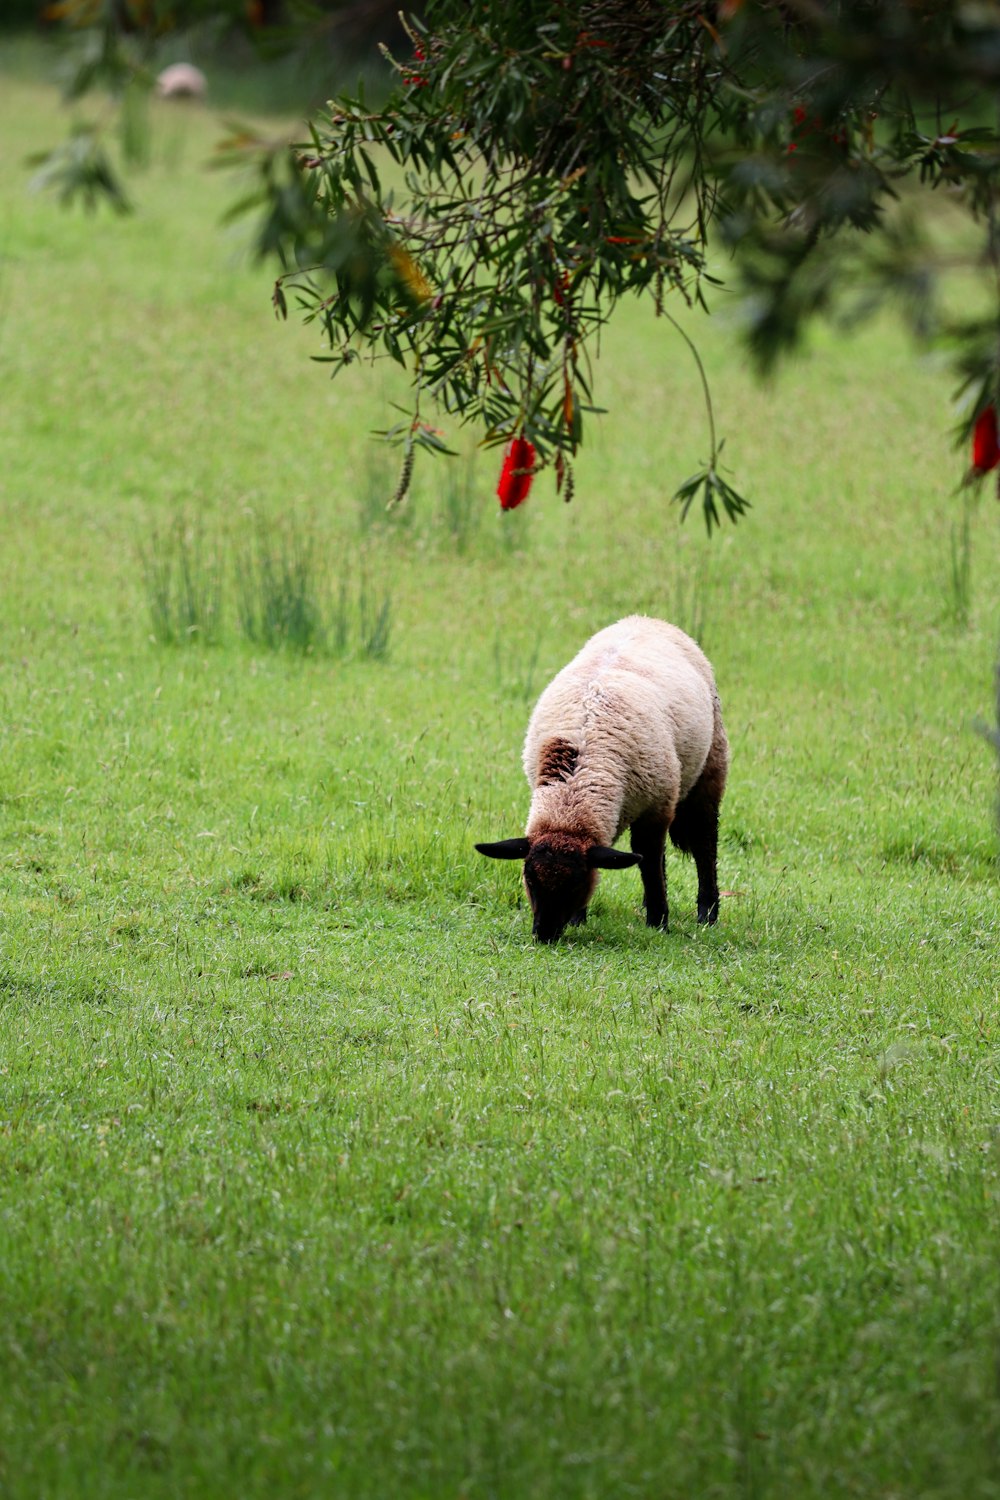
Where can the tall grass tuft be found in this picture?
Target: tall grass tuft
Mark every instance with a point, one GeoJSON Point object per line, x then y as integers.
{"type": "Point", "coordinates": [284, 598]}
{"type": "Point", "coordinates": [339, 634]}
{"type": "Point", "coordinates": [360, 616]}
{"type": "Point", "coordinates": [374, 619]}
{"type": "Point", "coordinates": [183, 577]}
{"type": "Point", "coordinates": [461, 506]}
{"type": "Point", "coordinates": [515, 680]}
{"type": "Point", "coordinates": [991, 732]}
{"type": "Point", "coordinates": [689, 603]}
{"type": "Point", "coordinates": [960, 574]}
{"type": "Point", "coordinates": [281, 588]}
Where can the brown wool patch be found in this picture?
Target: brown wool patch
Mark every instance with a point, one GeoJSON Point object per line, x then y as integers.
{"type": "Point", "coordinates": [557, 762]}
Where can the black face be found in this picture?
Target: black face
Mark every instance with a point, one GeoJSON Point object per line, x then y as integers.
{"type": "Point", "coordinates": [559, 883]}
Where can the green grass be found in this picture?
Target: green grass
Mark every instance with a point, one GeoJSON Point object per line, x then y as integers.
{"type": "Point", "coordinates": [316, 1177]}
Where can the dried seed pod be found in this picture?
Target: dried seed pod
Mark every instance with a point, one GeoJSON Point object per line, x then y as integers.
{"type": "Point", "coordinates": [405, 475]}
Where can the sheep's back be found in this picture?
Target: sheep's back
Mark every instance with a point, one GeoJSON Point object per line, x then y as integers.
{"type": "Point", "coordinates": [634, 710]}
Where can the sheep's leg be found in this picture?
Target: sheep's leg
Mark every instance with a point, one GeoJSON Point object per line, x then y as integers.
{"type": "Point", "coordinates": [578, 918]}
{"type": "Point", "coordinates": [695, 825]}
{"type": "Point", "coordinates": [648, 837]}
{"type": "Point", "coordinates": [706, 863]}
{"type": "Point", "coordinates": [695, 830]}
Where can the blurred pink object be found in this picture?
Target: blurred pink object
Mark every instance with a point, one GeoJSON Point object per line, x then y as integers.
{"type": "Point", "coordinates": [181, 81]}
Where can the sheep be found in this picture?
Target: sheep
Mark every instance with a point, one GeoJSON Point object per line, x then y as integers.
{"type": "Point", "coordinates": [628, 735]}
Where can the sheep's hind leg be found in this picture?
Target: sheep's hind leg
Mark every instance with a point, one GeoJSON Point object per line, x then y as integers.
{"type": "Point", "coordinates": [695, 830]}
{"type": "Point", "coordinates": [648, 837]}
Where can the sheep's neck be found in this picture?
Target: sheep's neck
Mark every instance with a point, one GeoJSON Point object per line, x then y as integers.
{"type": "Point", "coordinates": [586, 805]}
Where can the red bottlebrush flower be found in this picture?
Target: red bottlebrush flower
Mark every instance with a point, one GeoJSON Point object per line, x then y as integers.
{"type": "Point", "coordinates": [517, 473]}
{"type": "Point", "coordinates": [985, 441]}
{"type": "Point", "coordinates": [412, 77]}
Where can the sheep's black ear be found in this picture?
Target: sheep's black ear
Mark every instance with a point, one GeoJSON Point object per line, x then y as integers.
{"type": "Point", "coordinates": [506, 849]}
{"type": "Point", "coordinates": [600, 858]}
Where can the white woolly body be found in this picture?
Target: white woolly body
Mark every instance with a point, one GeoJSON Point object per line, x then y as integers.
{"type": "Point", "coordinates": [639, 707]}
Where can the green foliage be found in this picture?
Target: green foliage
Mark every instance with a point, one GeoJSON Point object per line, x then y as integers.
{"type": "Point", "coordinates": [715, 492]}
{"type": "Point", "coordinates": [80, 170]}
{"type": "Point", "coordinates": [538, 192]}
{"type": "Point", "coordinates": [556, 159]}
{"type": "Point", "coordinates": [538, 163]}
{"type": "Point", "coordinates": [861, 120]}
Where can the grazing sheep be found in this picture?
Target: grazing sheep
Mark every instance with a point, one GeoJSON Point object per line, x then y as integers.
{"type": "Point", "coordinates": [628, 735]}
{"type": "Point", "coordinates": [181, 81]}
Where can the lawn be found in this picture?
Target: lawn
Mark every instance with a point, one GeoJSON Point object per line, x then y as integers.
{"type": "Point", "coordinates": [316, 1176]}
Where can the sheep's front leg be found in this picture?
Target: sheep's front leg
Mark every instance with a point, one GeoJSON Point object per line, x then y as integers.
{"type": "Point", "coordinates": [648, 837]}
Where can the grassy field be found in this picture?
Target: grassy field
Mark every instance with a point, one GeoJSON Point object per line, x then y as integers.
{"type": "Point", "coordinates": [316, 1176]}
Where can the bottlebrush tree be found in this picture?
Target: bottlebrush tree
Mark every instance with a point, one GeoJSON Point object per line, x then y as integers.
{"type": "Point", "coordinates": [537, 162]}
{"type": "Point", "coordinates": [555, 159]}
